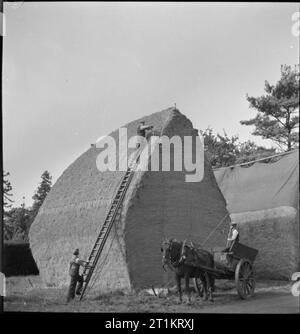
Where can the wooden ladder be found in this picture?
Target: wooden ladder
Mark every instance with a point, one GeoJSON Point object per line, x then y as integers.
{"type": "Point", "coordinates": [106, 227]}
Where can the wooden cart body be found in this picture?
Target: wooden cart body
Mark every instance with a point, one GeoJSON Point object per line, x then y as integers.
{"type": "Point", "coordinates": [236, 264]}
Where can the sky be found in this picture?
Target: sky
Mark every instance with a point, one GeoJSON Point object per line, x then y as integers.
{"type": "Point", "coordinates": [75, 71]}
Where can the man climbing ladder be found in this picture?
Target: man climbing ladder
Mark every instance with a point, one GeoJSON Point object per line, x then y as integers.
{"type": "Point", "coordinates": [111, 215]}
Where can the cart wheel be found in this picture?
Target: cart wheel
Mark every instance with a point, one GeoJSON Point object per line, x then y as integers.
{"type": "Point", "coordinates": [244, 279]}
{"type": "Point", "coordinates": [199, 286]}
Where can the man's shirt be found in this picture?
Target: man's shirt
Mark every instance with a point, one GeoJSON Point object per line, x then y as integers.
{"type": "Point", "coordinates": [234, 234]}
{"type": "Point", "coordinates": [75, 265]}
{"type": "Point", "coordinates": [141, 130]}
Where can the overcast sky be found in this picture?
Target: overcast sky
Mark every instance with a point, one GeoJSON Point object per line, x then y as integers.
{"type": "Point", "coordinates": [75, 71]}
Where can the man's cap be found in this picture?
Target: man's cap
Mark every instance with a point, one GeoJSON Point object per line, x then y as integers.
{"type": "Point", "coordinates": [76, 252]}
{"type": "Point", "coordinates": [233, 223]}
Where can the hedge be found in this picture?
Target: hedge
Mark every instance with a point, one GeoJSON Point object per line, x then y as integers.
{"type": "Point", "coordinates": [18, 259]}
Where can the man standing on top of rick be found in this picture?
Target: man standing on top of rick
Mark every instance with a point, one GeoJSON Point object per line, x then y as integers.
{"type": "Point", "coordinates": [142, 131]}
{"type": "Point", "coordinates": [142, 128]}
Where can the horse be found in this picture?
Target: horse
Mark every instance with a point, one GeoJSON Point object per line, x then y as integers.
{"type": "Point", "coordinates": [177, 256]}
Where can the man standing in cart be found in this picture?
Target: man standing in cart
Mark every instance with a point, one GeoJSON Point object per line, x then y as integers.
{"type": "Point", "coordinates": [233, 236]}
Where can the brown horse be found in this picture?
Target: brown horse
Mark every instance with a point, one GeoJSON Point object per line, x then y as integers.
{"type": "Point", "coordinates": [179, 257]}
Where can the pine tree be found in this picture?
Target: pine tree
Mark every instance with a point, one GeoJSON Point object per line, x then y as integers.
{"type": "Point", "coordinates": [277, 118]}
{"type": "Point", "coordinates": [7, 188]}
{"type": "Point", "coordinates": [41, 193]}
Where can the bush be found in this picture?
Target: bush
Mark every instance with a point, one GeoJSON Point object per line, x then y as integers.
{"type": "Point", "coordinates": [18, 259]}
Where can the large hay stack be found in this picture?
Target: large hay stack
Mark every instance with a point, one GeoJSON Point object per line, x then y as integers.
{"type": "Point", "coordinates": [275, 234]}
{"type": "Point", "coordinates": [157, 205]}
{"type": "Point", "coordinates": [263, 197]}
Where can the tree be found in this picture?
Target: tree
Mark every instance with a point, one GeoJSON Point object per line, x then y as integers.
{"type": "Point", "coordinates": [223, 150]}
{"type": "Point", "coordinates": [17, 224]}
{"type": "Point", "coordinates": [7, 203]}
{"type": "Point", "coordinates": [277, 118]}
{"type": "Point", "coordinates": [249, 151]}
{"type": "Point", "coordinates": [7, 188]}
{"type": "Point", "coordinates": [41, 193]}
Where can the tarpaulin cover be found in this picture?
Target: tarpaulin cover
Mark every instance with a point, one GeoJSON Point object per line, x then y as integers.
{"type": "Point", "coordinates": [261, 185]}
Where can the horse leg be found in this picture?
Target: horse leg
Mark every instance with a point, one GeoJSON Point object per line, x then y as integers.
{"type": "Point", "coordinates": [187, 287]}
{"type": "Point", "coordinates": [204, 282]}
{"type": "Point", "coordinates": [199, 289]}
{"type": "Point", "coordinates": [210, 287]}
{"type": "Point", "coordinates": [178, 281]}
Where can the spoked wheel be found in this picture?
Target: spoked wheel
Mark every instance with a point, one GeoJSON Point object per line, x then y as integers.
{"type": "Point", "coordinates": [244, 279]}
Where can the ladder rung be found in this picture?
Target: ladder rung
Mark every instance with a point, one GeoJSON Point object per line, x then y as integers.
{"type": "Point", "coordinates": [88, 271]}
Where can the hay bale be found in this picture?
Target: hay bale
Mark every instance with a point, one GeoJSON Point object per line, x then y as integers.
{"type": "Point", "coordinates": [18, 259]}
{"type": "Point", "coordinates": [275, 233]}
{"type": "Point", "coordinates": [157, 205]}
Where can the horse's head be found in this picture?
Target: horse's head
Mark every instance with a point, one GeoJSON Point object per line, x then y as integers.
{"type": "Point", "coordinates": [170, 252]}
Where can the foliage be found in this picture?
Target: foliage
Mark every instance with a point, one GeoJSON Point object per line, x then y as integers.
{"type": "Point", "coordinates": [41, 193]}
{"type": "Point", "coordinates": [17, 224]}
{"type": "Point", "coordinates": [7, 188]}
{"type": "Point", "coordinates": [223, 150]}
{"type": "Point", "coordinates": [18, 220]}
{"type": "Point", "coordinates": [277, 118]}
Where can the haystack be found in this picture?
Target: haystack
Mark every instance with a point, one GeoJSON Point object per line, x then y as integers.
{"type": "Point", "coordinates": [275, 233]}
{"type": "Point", "coordinates": [158, 204]}
{"type": "Point", "coordinates": [264, 197]}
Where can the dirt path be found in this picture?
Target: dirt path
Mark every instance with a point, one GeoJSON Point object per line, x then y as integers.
{"type": "Point", "coordinates": [264, 302]}
{"type": "Point", "coordinates": [30, 296]}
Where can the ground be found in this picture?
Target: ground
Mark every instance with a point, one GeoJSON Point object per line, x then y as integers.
{"type": "Point", "coordinates": [27, 294]}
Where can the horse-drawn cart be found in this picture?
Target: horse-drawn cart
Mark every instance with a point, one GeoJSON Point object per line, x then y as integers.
{"type": "Point", "coordinates": [236, 264]}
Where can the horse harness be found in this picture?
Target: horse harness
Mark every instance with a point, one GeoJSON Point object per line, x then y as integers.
{"type": "Point", "coordinates": [176, 263]}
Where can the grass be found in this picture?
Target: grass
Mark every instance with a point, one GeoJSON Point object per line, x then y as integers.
{"type": "Point", "coordinates": [43, 299]}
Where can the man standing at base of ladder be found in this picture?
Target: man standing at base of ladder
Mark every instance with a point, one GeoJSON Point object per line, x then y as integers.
{"type": "Point", "coordinates": [75, 276]}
